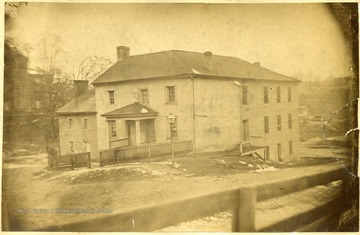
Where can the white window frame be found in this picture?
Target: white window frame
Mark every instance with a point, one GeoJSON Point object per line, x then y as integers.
{"type": "Point", "coordinates": [141, 95]}
{"type": "Point", "coordinates": [112, 129]}
{"type": "Point", "coordinates": [86, 123]}
{"type": "Point", "coordinates": [70, 123]}
{"type": "Point", "coordinates": [111, 96]}
{"type": "Point", "coordinates": [168, 95]}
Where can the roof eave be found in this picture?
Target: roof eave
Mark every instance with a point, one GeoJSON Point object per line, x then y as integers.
{"type": "Point", "coordinates": [128, 115]}
{"type": "Point", "coordinates": [75, 113]}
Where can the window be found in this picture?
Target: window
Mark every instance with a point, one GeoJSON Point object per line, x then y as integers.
{"type": "Point", "coordinates": [279, 122]}
{"type": "Point", "coordinates": [244, 95]}
{"type": "Point", "coordinates": [266, 124]}
{"type": "Point", "coordinates": [144, 95]}
{"type": "Point", "coordinates": [267, 152]}
{"type": "Point", "coordinates": [290, 147]}
{"type": "Point", "coordinates": [112, 128]}
{"type": "Point", "coordinates": [85, 123]}
{"type": "Point", "coordinates": [289, 94]}
{"type": "Point", "coordinates": [266, 95]}
{"type": "Point", "coordinates": [290, 120]}
{"type": "Point", "coordinates": [170, 94]}
{"type": "Point", "coordinates": [71, 146]}
{"type": "Point", "coordinates": [278, 94]}
{"type": "Point", "coordinates": [280, 158]}
{"type": "Point", "coordinates": [111, 97]}
{"type": "Point", "coordinates": [70, 123]}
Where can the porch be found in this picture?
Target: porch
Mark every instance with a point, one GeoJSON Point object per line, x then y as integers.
{"type": "Point", "coordinates": [131, 125]}
{"type": "Point", "coordinates": [254, 146]}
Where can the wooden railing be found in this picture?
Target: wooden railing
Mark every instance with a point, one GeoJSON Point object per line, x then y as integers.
{"type": "Point", "coordinates": [72, 160]}
{"type": "Point", "coordinates": [118, 143]}
{"type": "Point", "coordinates": [144, 151]}
{"type": "Point", "coordinates": [241, 201]}
{"type": "Point", "coordinates": [250, 145]}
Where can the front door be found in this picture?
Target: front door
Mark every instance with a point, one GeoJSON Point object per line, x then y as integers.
{"type": "Point", "coordinates": [86, 146]}
{"type": "Point", "coordinates": [131, 132]}
{"type": "Point", "coordinates": [245, 127]}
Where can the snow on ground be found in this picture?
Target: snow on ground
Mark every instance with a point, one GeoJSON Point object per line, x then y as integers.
{"type": "Point", "coordinates": [264, 168]}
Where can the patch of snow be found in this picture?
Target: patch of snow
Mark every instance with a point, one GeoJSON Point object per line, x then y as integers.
{"type": "Point", "coordinates": [265, 168]}
{"type": "Point", "coordinates": [242, 162]}
{"type": "Point", "coordinates": [250, 165]}
{"type": "Point", "coordinates": [176, 165]}
{"type": "Point", "coordinates": [222, 161]}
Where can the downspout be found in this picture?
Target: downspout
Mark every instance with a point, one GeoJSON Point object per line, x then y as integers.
{"type": "Point", "coordinates": [193, 114]}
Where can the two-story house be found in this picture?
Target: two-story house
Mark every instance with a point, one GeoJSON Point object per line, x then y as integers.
{"type": "Point", "coordinates": [219, 102]}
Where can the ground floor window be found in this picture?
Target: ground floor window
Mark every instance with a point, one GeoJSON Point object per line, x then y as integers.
{"type": "Point", "coordinates": [267, 152]}
{"type": "Point", "coordinates": [71, 146]}
{"type": "Point", "coordinates": [279, 153]}
{"type": "Point", "coordinates": [112, 128]}
{"type": "Point", "coordinates": [290, 147]}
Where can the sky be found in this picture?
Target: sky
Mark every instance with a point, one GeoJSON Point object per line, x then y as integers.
{"type": "Point", "coordinates": [299, 40]}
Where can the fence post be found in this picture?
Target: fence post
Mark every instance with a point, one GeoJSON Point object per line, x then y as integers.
{"type": "Point", "coordinates": [149, 151]}
{"type": "Point", "coordinates": [72, 160]}
{"type": "Point", "coordinates": [243, 218]}
{"type": "Point", "coordinates": [89, 160]}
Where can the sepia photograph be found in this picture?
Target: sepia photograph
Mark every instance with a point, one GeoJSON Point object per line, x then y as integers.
{"type": "Point", "coordinates": [180, 117]}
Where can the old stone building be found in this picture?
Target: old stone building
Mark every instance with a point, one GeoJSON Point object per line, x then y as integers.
{"type": "Point", "coordinates": [220, 103]}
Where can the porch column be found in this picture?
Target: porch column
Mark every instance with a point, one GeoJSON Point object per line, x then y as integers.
{"type": "Point", "coordinates": [137, 130]}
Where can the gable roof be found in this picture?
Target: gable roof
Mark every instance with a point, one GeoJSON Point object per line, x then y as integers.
{"type": "Point", "coordinates": [82, 104]}
{"type": "Point", "coordinates": [174, 62]}
{"type": "Point", "coordinates": [132, 110]}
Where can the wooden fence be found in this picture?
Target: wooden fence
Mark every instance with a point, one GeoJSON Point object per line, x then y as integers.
{"type": "Point", "coordinates": [72, 160]}
{"type": "Point", "coordinates": [241, 201]}
{"type": "Point", "coordinates": [145, 151]}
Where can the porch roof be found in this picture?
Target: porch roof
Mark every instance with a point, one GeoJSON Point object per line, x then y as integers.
{"type": "Point", "coordinates": [132, 110]}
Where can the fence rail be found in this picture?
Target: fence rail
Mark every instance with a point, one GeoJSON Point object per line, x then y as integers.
{"type": "Point", "coordinates": [241, 201]}
{"type": "Point", "coordinates": [255, 143]}
{"type": "Point", "coordinates": [145, 151]}
{"type": "Point", "coordinates": [73, 160]}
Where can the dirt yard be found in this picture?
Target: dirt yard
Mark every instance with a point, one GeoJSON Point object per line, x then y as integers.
{"type": "Point", "coordinates": [31, 192]}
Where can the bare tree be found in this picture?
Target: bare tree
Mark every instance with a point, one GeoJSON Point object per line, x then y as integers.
{"type": "Point", "coordinates": [57, 87]}
{"type": "Point", "coordinates": [91, 68]}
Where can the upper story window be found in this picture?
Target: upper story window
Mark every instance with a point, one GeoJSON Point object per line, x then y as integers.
{"type": "Point", "coordinates": [290, 120]}
{"type": "Point", "coordinates": [144, 95]}
{"type": "Point", "coordinates": [111, 95]}
{"type": "Point", "coordinates": [266, 95]}
{"type": "Point", "coordinates": [289, 94]}
{"type": "Point", "coordinates": [266, 124]}
{"type": "Point", "coordinates": [70, 123]}
{"type": "Point", "coordinates": [171, 94]}
{"type": "Point", "coordinates": [85, 123]}
{"type": "Point", "coordinates": [244, 95]}
{"type": "Point", "coordinates": [279, 122]}
{"type": "Point", "coordinates": [112, 128]}
{"type": "Point", "coordinates": [278, 94]}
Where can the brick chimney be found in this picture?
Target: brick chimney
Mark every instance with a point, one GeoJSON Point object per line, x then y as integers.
{"type": "Point", "coordinates": [80, 87]}
{"type": "Point", "coordinates": [122, 53]}
{"type": "Point", "coordinates": [257, 64]}
{"type": "Point", "coordinates": [208, 60]}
